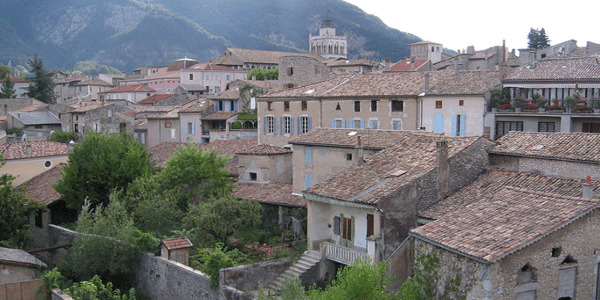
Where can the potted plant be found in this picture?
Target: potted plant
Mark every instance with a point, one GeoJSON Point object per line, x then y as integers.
{"type": "Point", "coordinates": [507, 107]}
{"type": "Point", "coordinates": [583, 109]}
{"type": "Point", "coordinates": [542, 102]}
{"type": "Point", "coordinates": [556, 108]}
{"type": "Point", "coordinates": [570, 102]}
{"type": "Point", "coordinates": [530, 107]}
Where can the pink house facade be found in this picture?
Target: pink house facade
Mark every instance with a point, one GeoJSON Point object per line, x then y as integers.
{"type": "Point", "coordinates": [213, 78]}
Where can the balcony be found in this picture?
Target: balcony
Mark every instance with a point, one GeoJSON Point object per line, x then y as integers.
{"type": "Point", "coordinates": [342, 254]}
{"type": "Point", "coordinates": [558, 107]}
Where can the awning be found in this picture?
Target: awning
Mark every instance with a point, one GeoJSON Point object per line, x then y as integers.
{"type": "Point", "coordinates": [543, 85]}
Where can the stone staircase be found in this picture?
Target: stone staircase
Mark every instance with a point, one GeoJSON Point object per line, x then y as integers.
{"type": "Point", "coordinates": [308, 260]}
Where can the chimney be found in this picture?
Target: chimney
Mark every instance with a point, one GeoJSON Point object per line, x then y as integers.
{"type": "Point", "coordinates": [588, 188]}
{"type": "Point", "coordinates": [27, 148]}
{"type": "Point", "coordinates": [253, 77]}
{"type": "Point", "coordinates": [443, 174]}
{"type": "Point", "coordinates": [426, 82]}
{"type": "Point", "coordinates": [360, 152]}
{"type": "Point", "coordinates": [387, 62]}
{"type": "Point", "coordinates": [412, 63]}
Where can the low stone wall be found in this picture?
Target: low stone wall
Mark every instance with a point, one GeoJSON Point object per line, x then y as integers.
{"type": "Point", "coordinates": [254, 276]}
{"type": "Point", "coordinates": [158, 278]}
{"type": "Point", "coordinates": [23, 290]}
{"type": "Point", "coordinates": [53, 236]}
{"type": "Point", "coordinates": [59, 295]}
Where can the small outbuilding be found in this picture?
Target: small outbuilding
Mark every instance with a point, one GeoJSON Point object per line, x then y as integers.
{"type": "Point", "coordinates": [177, 249]}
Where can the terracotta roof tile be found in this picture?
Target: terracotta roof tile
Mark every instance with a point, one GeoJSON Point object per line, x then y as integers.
{"type": "Point", "coordinates": [409, 84]}
{"type": "Point", "coordinates": [370, 139]}
{"type": "Point", "coordinates": [495, 180]}
{"type": "Point", "coordinates": [178, 243]}
{"type": "Point", "coordinates": [374, 180]}
{"type": "Point", "coordinates": [272, 193]}
{"type": "Point", "coordinates": [155, 98]}
{"type": "Point", "coordinates": [94, 82]}
{"type": "Point", "coordinates": [257, 56]}
{"type": "Point", "coordinates": [41, 187]}
{"type": "Point", "coordinates": [551, 145]}
{"type": "Point", "coordinates": [511, 219]}
{"type": "Point", "coordinates": [558, 68]}
{"type": "Point", "coordinates": [16, 80]}
{"type": "Point", "coordinates": [264, 149]}
{"type": "Point", "coordinates": [220, 115]}
{"type": "Point", "coordinates": [18, 150]}
{"type": "Point", "coordinates": [407, 65]}
{"type": "Point", "coordinates": [33, 107]}
{"type": "Point", "coordinates": [199, 105]}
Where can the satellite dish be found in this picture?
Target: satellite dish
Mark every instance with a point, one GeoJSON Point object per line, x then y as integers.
{"type": "Point", "coordinates": [24, 138]}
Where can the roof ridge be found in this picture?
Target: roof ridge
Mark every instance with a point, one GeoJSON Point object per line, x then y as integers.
{"type": "Point", "coordinates": [549, 194]}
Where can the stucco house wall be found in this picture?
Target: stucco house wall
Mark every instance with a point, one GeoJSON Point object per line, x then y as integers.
{"type": "Point", "coordinates": [473, 108]}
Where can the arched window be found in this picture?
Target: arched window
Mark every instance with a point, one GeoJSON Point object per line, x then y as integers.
{"type": "Point", "coordinates": [526, 274]}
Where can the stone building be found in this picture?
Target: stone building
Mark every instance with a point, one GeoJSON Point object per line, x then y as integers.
{"type": "Point", "coordinates": [327, 44]}
{"type": "Point", "coordinates": [182, 124]}
{"type": "Point", "coordinates": [37, 125]}
{"type": "Point", "coordinates": [295, 71]}
{"type": "Point", "coordinates": [100, 117]}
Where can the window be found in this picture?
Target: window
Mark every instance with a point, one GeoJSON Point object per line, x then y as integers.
{"type": "Point", "coordinates": [39, 219]}
{"type": "Point", "coordinates": [96, 127]}
{"type": "Point", "coordinates": [348, 156]}
{"type": "Point", "coordinates": [396, 125]}
{"type": "Point", "coordinates": [338, 107]}
{"type": "Point", "coordinates": [286, 126]}
{"type": "Point", "coordinates": [191, 77]}
{"type": "Point", "coordinates": [217, 77]}
{"type": "Point", "coordinates": [304, 105]}
{"type": "Point", "coordinates": [503, 127]}
{"type": "Point", "coordinates": [336, 225]}
{"type": "Point", "coordinates": [338, 124]}
{"type": "Point", "coordinates": [290, 71]}
{"type": "Point", "coordinates": [232, 105]}
{"type": "Point", "coordinates": [307, 181]}
{"type": "Point", "coordinates": [357, 106]}
{"type": "Point", "coordinates": [286, 106]}
{"type": "Point", "coordinates": [397, 105]}
{"type": "Point", "coordinates": [304, 124]}
{"type": "Point", "coordinates": [173, 133]}
{"type": "Point", "coordinates": [190, 128]}
{"type": "Point", "coordinates": [122, 127]}
{"type": "Point", "coordinates": [438, 104]}
{"type": "Point", "coordinates": [269, 106]}
{"type": "Point", "coordinates": [567, 280]}
{"type": "Point", "coordinates": [308, 155]}
{"type": "Point", "coordinates": [373, 105]}
{"type": "Point", "coordinates": [228, 77]}
{"type": "Point", "coordinates": [461, 102]}
{"type": "Point", "coordinates": [358, 124]}
{"type": "Point", "coordinates": [253, 176]}
{"type": "Point", "coordinates": [38, 126]}
{"type": "Point", "coordinates": [373, 124]}
{"type": "Point", "coordinates": [167, 124]}
{"type": "Point", "coordinates": [347, 228]}
{"type": "Point", "coordinates": [207, 77]}
{"type": "Point", "coordinates": [47, 164]}
{"type": "Point", "coordinates": [370, 225]}
{"type": "Point", "coordinates": [109, 113]}
{"type": "Point", "coordinates": [546, 127]}
{"type": "Point", "coordinates": [270, 124]}
{"type": "Point", "coordinates": [459, 124]}
{"type": "Point", "coordinates": [590, 127]}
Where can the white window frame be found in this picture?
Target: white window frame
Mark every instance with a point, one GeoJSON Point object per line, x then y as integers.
{"type": "Point", "coordinates": [373, 120]}
{"type": "Point", "coordinates": [173, 133]}
{"type": "Point", "coordinates": [287, 124]}
{"type": "Point", "coordinates": [396, 121]}
{"type": "Point", "coordinates": [270, 124]}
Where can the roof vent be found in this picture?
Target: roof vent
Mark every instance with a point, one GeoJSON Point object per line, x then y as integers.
{"type": "Point", "coordinates": [397, 173]}
{"type": "Point", "coordinates": [537, 148]}
{"type": "Point", "coordinates": [309, 91]}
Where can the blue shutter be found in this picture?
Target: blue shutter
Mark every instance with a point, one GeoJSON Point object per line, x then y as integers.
{"type": "Point", "coordinates": [216, 106]}
{"type": "Point", "coordinates": [307, 181]}
{"type": "Point", "coordinates": [309, 123]}
{"type": "Point", "coordinates": [308, 155]}
{"type": "Point", "coordinates": [463, 125]}
{"type": "Point", "coordinates": [291, 125]}
{"type": "Point", "coordinates": [332, 124]}
{"type": "Point", "coordinates": [265, 125]}
{"type": "Point", "coordinates": [438, 123]}
{"type": "Point", "coordinates": [281, 124]}
{"type": "Point", "coordinates": [351, 124]}
{"type": "Point", "coordinates": [336, 225]}
{"type": "Point", "coordinates": [454, 120]}
{"type": "Point", "coordinates": [193, 128]}
{"type": "Point", "coordinates": [234, 105]}
{"type": "Point", "coordinates": [274, 125]}
{"type": "Point", "coordinates": [343, 123]}
{"type": "Point", "coordinates": [362, 124]}
{"type": "Point", "coordinates": [299, 125]}
{"type": "Point", "coordinates": [185, 128]}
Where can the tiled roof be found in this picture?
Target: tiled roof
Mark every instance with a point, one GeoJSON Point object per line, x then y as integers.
{"type": "Point", "coordinates": [19, 256]}
{"type": "Point", "coordinates": [193, 106]}
{"type": "Point", "coordinates": [405, 65]}
{"type": "Point", "coordinates": [35, 117]}
{"type": "Point", "coordinates": [41, 187]}
{"type": "Point", "coordinates": [264, 149]}
{"type": "Point", "coordinates": [16, 80]}
{"type": "Point", "coordinates": [18, 150]}
{"type": "Point", "coordinates": [495, 180]}
{"type": "Point", "coordinates": [370, 139]}
{"type": "Point", "coordinates": [351, 62]}
{"type": "Point", "coordinates": [94, 82]}
{"type": "Point", "coordinates": [551, 145]}
{"type": "Point", "coordinates": [258, 56]}
{"type": "Point", "coordinates": [512, 219]}
{"type": "Point", "coordinates": [230, 94]}
{"type": "Point", "coordinates": [155, 98]}
{"type": "Point", "coordinates": [220, 115]}
{"type": "Point", "coordinates": [228, 148]}
{"type": "Point", "coordinates": [163, 75]}
{"type": "Point", "coordinates": [192, 87]}
{"type": "Point", "coordinates": [208, 66]}
{"type": "Point", "coordinates": [33, 107]}
{"type": "Point", "coordinates": [558, 69]}
{"type": "Point", "coordinates": [424, 42]}
{"type": "Point", "coordinates": [87, 106]}
{"type": "Point", "coordinates": [388, 170]}
{"type": "Point", "coordinates": [131, 88]}
{"type": "Point", "coordinates": [131, 114]}
{"type": "Point", "coordinates": [272, 193]}
{"type": "Point", "coordinates": [263, 84]}
{"type": "Point", "coordinates": [178, 243]}
{"type": "Point", "coordinates": [408, 84]}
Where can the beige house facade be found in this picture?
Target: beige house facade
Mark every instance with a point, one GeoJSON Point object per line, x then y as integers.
{"type": "Point", "coordinates": [25, 160]}
{"type": "Point", "coordinates": [182, 124]}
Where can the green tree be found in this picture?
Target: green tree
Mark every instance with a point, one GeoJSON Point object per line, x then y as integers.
{"type": "Point", "coordinates": [14, 214]}
{"type": "Point", "coordinates": [62, 136]}
{"type": "Point", "coordinates": [99, 164]}
{"type": "Point", "coordinates": [220, 217]}
{"type": "Point", "coordinates": [262, 74]}
{"type": "Point", "coordinates": [8, 89]}
{"type": "Point", "coordinates": [194, 174]}
{"type": "Point", "coordinates": [41, 86]}
{"type": "Point", "coordinates": [5, 72]}
{"type": "Point", "coordinates": [108, 244]}
{"type": "Point", "coordinates": [92, 67]}
{"type": "Point", "coordinates": [537, 39]}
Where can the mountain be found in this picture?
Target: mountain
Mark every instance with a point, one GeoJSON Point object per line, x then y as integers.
{"type": "Point", "coordinates": [127, 34]}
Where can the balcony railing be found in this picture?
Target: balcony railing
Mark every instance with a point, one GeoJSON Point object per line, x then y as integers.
{"type": "Point", "coordinates": [342, 254]}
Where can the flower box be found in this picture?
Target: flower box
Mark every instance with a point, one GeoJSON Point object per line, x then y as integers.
{"type": "Point", "coordinates": [583, 109]}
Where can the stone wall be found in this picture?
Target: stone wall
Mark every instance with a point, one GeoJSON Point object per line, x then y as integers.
{"type": "Point", "coordinates": [548, 167]}
{"type": "Point", "coordinates": [59, 295]}
{"type": "Point", "coordinates": [158, 278]}
{"type": "Point", "coordinates": [49, 236]}
{"type": "Point", "coordinates": [254, 276]}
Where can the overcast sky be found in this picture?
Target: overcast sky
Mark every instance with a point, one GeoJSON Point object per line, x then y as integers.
{"type": "Point", "coordinates": [458, 24]}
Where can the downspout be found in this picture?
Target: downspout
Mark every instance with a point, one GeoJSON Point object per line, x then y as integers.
{"type": "Point", "coordinates": [320, 113]}
{"type": "Point", "coordinates": [398, 248]}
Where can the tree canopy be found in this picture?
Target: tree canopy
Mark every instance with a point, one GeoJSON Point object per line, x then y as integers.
{"type": "Point", "coordinates": [537, 39]}
{"type": "Point", "coordinates": [14, 214]}
{"type": "Point", "coordinates": [5, 72]}
{"type": "Point", "coordinates": [91, 67]}
{"type": "Point", "coordinates": [262, 74]}
{"type": "Point", "coordinates": [41, 86]}
{"type": "Point", "coordinates": [8, 88]}
{"type": "Point", "coordinates": [99, 164]}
